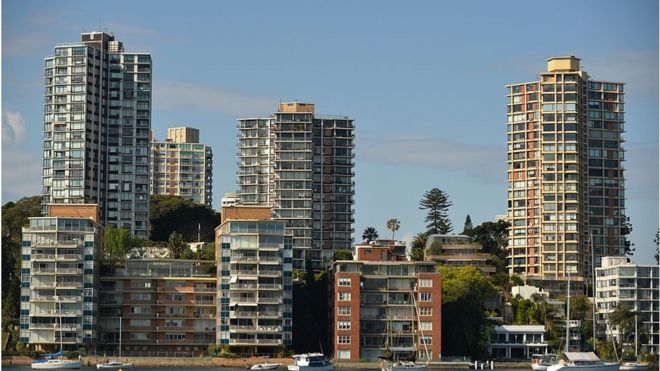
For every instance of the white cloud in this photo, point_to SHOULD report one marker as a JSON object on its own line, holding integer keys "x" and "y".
{"x": 485, "y": 162}
{"x": 172, "y": 95}
{"x": 13, "y": 127}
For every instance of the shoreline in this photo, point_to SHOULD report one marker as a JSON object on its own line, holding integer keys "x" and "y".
{"x": 205, "y": 362}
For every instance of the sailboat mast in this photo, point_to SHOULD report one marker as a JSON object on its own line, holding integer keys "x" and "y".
{"x": 593, "y": 291}
{"x": 119, "y": 336}
{"x": 636, "y": 337}
{"x": 568, "y": 306}
{"x": 59, "y": 303}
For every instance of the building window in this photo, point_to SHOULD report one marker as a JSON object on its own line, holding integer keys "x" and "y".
{"x": 343, "y": 311}
{"x": 344, "y": 354}
{"x": 426, "y": 325}
{"x": 425, "y": 311}
{"x": 426, "y": 283}
{"x": 344, "y": 282}
{"x": 344, "y": 296}
{"x": 425, "y": 340}
{"x": 425, "y": 296}
{"x": 343, "y": 339}
{"x": 343, "y": 325}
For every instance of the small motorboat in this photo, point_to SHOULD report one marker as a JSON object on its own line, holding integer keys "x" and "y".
{"x": 114, "y": 365}
{"x": 265, "y": 366}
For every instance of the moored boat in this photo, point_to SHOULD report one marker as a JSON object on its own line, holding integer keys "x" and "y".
{"x": 634, "y": 366}
{"x": 114, "y": 365}
{"x": 56, "y": 364}
{"x": 311, "y": 361}
{"x": 265, "y": 366}
{"x": 583, "y": 361}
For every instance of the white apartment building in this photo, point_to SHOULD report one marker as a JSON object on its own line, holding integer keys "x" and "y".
{"x": 97, "y": 119}
{"x": 59, "y": 282}
{"x": 620, "y": 282}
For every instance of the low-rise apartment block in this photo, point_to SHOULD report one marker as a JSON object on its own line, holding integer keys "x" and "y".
{"x": 383, "y": 306}
{"x": 620, "y": 282}
{"x": 181, "y": 166}
{"x": 457, "y": 250}
{"x": 166, "y": 307}
{"x": 517, "y": 341}
{"x": 59, "y": 273}
{"x": 381, "y": 250}
{"x": 254, "y": 286}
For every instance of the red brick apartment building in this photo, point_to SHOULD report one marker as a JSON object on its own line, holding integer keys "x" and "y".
{"x": 382, "y": 304}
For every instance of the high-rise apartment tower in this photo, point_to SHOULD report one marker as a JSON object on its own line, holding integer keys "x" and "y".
{"x": 301, "y": 164}
{"x": 181, "y": 166}
{"x": 565, "y": 173}
{"x": 97, "y": 119}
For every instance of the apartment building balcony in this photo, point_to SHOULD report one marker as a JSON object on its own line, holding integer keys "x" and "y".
{"x": 56, "y": 313}
{"x": 255, "y": 341}
{"x": 255, "y": 314}
{"x": 267, "y": 273}
{"x": 51, "y": 298}
{"x": 269, "y": 300}
{"x": 255, "y": 328}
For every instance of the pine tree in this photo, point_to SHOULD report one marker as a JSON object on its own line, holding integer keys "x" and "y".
{"x": 437, "y": 203}
{"x": 467, "y": 227}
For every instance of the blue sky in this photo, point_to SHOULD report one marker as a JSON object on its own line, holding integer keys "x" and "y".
{"x": 424, "y": 81}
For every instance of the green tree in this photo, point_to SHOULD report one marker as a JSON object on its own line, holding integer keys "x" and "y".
{"x": 656, "y": 241}
{"x": 464, "y": 320}
{"x": 628, "y": 246}
{"x": 173, "y": 213}
{"x": 417, "y": 247}
{"x": 493, "y": 236}
{"x": 343, "y": 254}
{"x": 437, "y": 203}
{"x": 623, "y": 319}
{"x": 393, "y": 225}
{"x": 175, "y": 245}
{"x": 467, "y": 226}
{"x": 14, "y": 217}
{"x": 117, "y": 242}
{"x": 369, "y": 234}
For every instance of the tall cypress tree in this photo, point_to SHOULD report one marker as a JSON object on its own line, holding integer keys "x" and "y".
{"x": 467, "y": 227}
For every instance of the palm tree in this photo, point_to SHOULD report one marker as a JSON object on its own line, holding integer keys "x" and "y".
{"x": 370, "y": 234}
{"x": 393, "y": 225}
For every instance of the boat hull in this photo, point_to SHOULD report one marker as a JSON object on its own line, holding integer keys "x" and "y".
{"x": 585, "y": 367}
{"x": 265, "y": 366}
{"x": 539, "y": 367}
{"x": 410, "y": 367}
{"x": 113, "y": 366}
{"x": 56, "y": 365}
{"x": 328, "y": 367}
{"x": 633, "y": 367}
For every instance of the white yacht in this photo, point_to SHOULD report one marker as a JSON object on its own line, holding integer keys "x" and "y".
{"x": 541, "y": 362}
{"x": 56, "y": 361}
{"x": 113, "y": 364}
{"x": 56, "y": 364}
{"x": 311, "y": 362}
{"x": 583, "y": 361}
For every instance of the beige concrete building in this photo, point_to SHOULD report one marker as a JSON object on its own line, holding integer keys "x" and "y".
{"x": 565, "y": 173}
{"x": 301, "y": 164}
{"x": 457, "y": 251}
{"x": 181, "y": 166}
